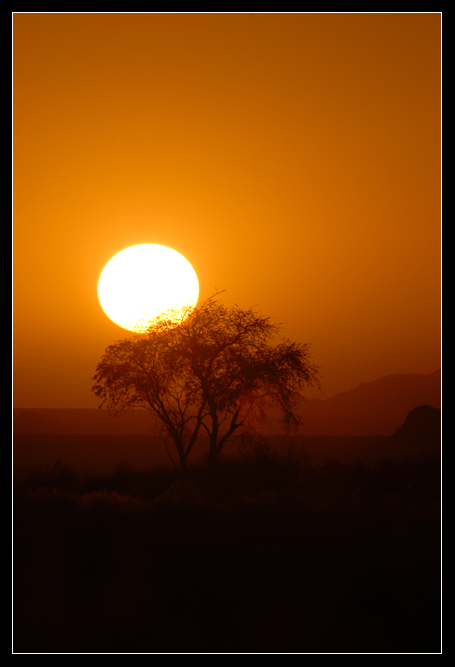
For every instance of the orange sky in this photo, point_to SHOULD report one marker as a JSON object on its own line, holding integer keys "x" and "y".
{"x": 293, "y": 159}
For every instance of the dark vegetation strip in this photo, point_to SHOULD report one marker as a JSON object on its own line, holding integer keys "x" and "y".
{"x": 264, "y": 554}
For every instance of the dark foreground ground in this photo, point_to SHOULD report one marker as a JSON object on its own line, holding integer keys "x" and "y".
{"x": 266, "y": 554}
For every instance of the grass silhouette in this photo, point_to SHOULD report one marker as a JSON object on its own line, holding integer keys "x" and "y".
{"x": 266, "y": 553}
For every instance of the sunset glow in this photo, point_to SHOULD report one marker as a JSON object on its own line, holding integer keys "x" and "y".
{"x": 293, "y": 159}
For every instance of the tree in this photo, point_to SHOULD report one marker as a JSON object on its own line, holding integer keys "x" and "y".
{"x": 220, "y": 371}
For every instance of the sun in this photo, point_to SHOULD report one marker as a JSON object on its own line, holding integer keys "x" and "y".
{"x": 143, "y": 281}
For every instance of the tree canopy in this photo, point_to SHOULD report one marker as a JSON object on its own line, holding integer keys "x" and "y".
{"x": 220, "y": 371}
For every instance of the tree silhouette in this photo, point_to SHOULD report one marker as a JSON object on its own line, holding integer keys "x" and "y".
{"x": 220, "y": 371}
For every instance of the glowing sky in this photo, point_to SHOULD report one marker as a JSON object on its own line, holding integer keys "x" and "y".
{"x": 292, "y": 159}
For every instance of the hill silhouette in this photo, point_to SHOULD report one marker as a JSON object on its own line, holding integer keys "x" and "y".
{"x": 71, "y": 421}
{"x": 420, "y": 435}
{"x": 37, "y": 422}
{"x": 372, "y": 408}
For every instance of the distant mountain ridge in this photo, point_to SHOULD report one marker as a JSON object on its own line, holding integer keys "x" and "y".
{"x": 372, "y": 408}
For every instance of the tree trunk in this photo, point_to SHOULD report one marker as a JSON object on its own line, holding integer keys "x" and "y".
{"x": 212, "y": 457}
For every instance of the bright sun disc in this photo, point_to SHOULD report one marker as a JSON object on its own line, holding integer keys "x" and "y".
{"x": 142, "y": 281}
